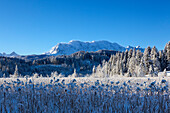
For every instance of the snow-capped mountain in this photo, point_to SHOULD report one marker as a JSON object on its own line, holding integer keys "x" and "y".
{"x": 13, "y": 54}
{"x": 75, "y": 46}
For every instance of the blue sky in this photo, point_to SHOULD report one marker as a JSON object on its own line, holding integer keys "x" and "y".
{"x": 35, "y": 26}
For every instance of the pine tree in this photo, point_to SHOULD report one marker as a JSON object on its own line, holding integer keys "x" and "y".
{"x": 139, "y": 55}
{"x": 167, "y": 56}
{"x": 155, "y": 60}
{"x": 162, "y": 60}
{"x": 141, "y": 69}
{"x": 16, "y": 74}
{"x": 94, "y": 69}
{"x": 124, "y": 61}
{"x": 118, "y": 66}
{"x": 132, "y": 64}
{"x": 129, "y": 57}
{"x": 151, "y": 70}
{"x": 98, "y": 71}
{"x": 75, "y": 73}
{"x": 147, "y": 59}
{"x": 164, "y": 73}
{"x": 121, "y": 64}
{"x": 134, "y": 52}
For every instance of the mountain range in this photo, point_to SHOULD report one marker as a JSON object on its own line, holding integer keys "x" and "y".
{"x": 13, "y": 54}
{"x": 75, "y": 46}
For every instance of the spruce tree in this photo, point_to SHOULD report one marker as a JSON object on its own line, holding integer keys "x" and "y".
{"x": 129, "y": 57}
{"x": 151, "y": 70}
{"x": 139, "y": 55}
{"x": 141, "y": 69}
{"x": 124, "y": 61}
{"x": 16, "y": 74}
{"x": 155, "y": 60}
{"x": 167, "y": 56}
{"x": 147, "y": 59}
{"x": 132, "y": 64}
{"x": 162, "y": 60}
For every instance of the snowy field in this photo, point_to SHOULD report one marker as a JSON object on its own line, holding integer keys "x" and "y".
{"x": 86, "y": 94}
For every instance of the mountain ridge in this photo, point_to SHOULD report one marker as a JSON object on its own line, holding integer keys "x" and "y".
{"x": 75, "y": 46}
{"x": 13, "y": 54}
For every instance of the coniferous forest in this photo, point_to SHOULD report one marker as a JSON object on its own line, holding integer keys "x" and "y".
{"x": 132, "y": 63}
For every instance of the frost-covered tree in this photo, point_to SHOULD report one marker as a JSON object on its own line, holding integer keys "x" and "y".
{"x": 121, "y": 64}
{"x": 135, "y": 63}
{"x": 35, "y": 75}
{"x": 147, "y": 59}
{"x": 129, "y": 57}
{"x": 124, "y": 61}
{"x": 162, "y": 60}
{"x": 134, "y": 52}
{"x": 164, "y": 73}
{"x": 118, "y": 64}
{"x": 155, "y": 60}
{"x": 139, "y": 55}
{"x": 75, "y": 73}
{"x": 140, "y": 69}
{"x": 151, "y": 70}
{"x": 16, "y": 73}
{"x": 94, "y": 69}
{"x": 98, "y": 71}
{"x": 167, "y": 55}
{"x": 132, "y": 64}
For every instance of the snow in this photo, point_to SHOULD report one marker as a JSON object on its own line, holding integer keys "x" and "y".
{"x": 75, "y": 46}
{"x": 168, "y": 73}
{"x": 86, "y": 94}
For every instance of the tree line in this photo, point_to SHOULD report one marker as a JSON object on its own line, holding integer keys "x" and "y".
{"x": 134, "y": 63}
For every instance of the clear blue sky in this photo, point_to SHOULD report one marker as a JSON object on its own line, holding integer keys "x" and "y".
{"x": 35, "y": 26}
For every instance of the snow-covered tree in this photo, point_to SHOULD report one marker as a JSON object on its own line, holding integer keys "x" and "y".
{"x": 129, "y": 57}
{"x": 151, "y": 70}
{"x": 94, "y": 69}
{"x": 75, "y": 73}
{"x": 98, "y": 71}
{"x": 167, "y": 55}
{"x": 139, "y": 55}
{"x": 124, "y": 61}
{"x": 132, "y": 64}
{"x": 155, "y": 60}
{"x": 164, "y": 73}
{"x": 162, "y": 60}
{"x": 118, "y": 64}
{"x": 147, "y": 59}
{"x": 140, "y": 69}
{"x": 16, "y": 73}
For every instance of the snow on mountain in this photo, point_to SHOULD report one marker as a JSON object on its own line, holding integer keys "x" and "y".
{"x": 75, "y": 46}
{"x": 137, "y": 47}
{"x": 13, "y": 54}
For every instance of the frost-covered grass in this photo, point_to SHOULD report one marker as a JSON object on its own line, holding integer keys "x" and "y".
{"x": 86, "y": 94}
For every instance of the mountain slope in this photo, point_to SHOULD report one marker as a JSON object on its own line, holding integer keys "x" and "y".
{"x": 13, "y": 54}
{"x": 75, "y": 46}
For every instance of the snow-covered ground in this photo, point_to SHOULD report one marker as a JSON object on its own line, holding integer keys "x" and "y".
{"x": 86, "y": 94}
